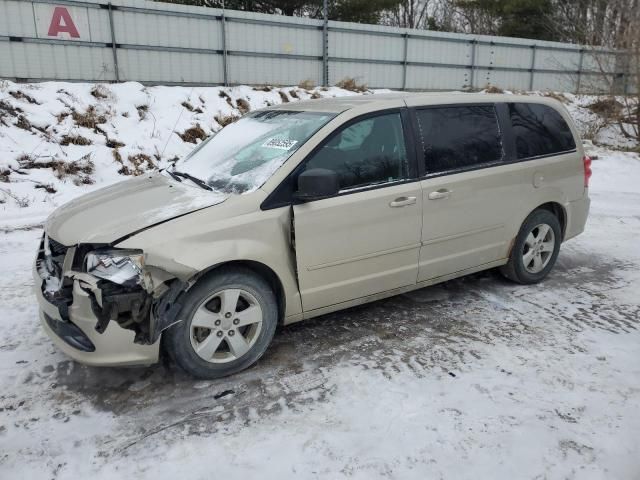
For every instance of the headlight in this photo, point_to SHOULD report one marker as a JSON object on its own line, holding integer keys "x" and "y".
{"x": 124, "y": 267}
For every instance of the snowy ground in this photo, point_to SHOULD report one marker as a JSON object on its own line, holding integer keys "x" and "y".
{"x": 475, "y": 378}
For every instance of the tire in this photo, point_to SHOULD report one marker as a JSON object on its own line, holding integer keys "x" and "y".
{"x": 215, "y": 339}
{"x": 535, "y": 250}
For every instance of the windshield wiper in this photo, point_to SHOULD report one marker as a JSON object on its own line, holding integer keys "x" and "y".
{"x": 196, "y": 180}
{"x": 173, "y": 175}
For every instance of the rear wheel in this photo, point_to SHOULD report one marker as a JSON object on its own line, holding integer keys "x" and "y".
{"x": 228, "y": 321}
{"x": 536, "y": 248}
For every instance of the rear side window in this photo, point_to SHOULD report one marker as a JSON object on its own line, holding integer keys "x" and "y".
{"x": 459, "y": 137}
{"x": 539, "y": 130}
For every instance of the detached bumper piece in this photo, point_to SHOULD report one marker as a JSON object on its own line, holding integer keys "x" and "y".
{"x": 70, "y": 334}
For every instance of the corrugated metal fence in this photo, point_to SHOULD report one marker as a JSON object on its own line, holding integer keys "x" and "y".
{"x": 159, "y": 43}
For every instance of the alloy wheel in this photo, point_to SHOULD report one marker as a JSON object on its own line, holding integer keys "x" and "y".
{"x": 538, "y": 248}
{"x": 226, "y": 325}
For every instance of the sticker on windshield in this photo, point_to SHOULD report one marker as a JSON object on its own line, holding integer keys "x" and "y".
{"x": 279, "y": 143}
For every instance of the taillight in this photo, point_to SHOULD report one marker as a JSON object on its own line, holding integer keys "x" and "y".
{"x": 586, "y": 161}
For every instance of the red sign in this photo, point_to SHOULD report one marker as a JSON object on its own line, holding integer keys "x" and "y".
{"x": 61, "y": 22}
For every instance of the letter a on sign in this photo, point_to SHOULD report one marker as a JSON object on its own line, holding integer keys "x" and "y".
{"x": 61, "y": 22}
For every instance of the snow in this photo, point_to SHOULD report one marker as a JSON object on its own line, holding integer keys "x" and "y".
{"x": 475, "y": 378}
{"x": 144, "y": 120}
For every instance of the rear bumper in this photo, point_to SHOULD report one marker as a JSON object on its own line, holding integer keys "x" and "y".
{"x": 577, "y": 213}
{"x": 114, "y": 347}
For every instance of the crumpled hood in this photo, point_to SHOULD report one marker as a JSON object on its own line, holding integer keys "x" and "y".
{"x": 113, "y": 212}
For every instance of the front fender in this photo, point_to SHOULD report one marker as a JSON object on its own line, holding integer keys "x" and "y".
{"x": 196, "y": 242}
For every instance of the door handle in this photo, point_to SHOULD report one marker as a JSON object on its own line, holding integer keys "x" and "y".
{"x": 403, "y": 201}
{"x": 438, "y": 194}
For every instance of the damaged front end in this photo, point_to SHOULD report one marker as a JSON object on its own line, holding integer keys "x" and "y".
{"x": 120, "y": 287}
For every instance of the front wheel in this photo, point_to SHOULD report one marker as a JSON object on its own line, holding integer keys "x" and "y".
{"x": 536, "y": 248}
{"x": 227, "y": 322}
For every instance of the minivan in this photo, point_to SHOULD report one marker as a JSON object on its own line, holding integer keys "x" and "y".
{"x": 302, "y": 209}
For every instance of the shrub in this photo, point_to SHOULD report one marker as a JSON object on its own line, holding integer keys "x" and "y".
{"x": 243, "y": 106}
{"x": 89, "y": 119}
{"x": 307, "y": 84}
{"x": 191, "y": 135}
{"x": 138, "y": 161}
{"x": 606, "y": 107}
{"x": 349, "y": 83}
{"x": 493, "y": 89}
{"x": 74, "y": 140}
{"x": 100, "y": 91}
{"x": 225, "y": 120}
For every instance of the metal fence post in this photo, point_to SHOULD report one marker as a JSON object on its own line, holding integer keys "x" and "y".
{"x": 225, "y": 73}
{"x": 404, "y": 61}
{"x": 533, "y": 66}
{"x": 473, "y": 63}
{"x": 113, "y": 44}
{"x": 578, "y": 80}
{"x": 325, "y": 44}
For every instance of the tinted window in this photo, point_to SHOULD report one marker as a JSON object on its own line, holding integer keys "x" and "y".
{"x": 459, "y": 137}
{"x": 365, "y": 153}
{"x": 539, "y": 130}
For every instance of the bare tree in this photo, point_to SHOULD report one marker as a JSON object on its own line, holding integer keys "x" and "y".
{"x": 610, "y": 30}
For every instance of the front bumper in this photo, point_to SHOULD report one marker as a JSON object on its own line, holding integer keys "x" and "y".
{"x": 114, "y": 347}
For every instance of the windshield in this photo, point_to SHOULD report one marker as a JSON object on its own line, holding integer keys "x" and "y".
{"x": 243, "y": 155}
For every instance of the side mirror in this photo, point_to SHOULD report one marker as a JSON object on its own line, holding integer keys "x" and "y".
{"x": 317, "y": 183}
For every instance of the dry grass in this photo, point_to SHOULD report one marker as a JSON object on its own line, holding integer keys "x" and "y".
{"x": 557, "y": 96}
{"x": 8, "y": 110}
{"x": 18, "y": 95}
{"x": 352, "y": 85}
{"x": 493, "y": 89}
{"x": 23, "y": 123}
{"x": 21, "y": 202}
{"x": 61, "y": 116}
{"x": 191, "y": 108}
{"x": 84, "y": 166}
{"x": 243, "y": 106}
{"x": 100, "y": 91}
{"x": 293, "y": 94}
{"x": 4, "y": 175}
{"x": 117, "y": 157}
{"x": 113, "y": 143}
{"x": 263, "y": 88}
{"x": 307, "y": 84}
{"x": 283, "y": 96}
{"x": 226, "y": 96}
{"x": 606, "y": 107}
{"x": 74, "y": 140}
{"x": 88, "y": 119}
{"x": 47, "y": 187}
{"x": 141, "y": 163}
{"x": 224, "y": 120}
{"x": 315, "y": 96}
{"x": 77, "y": 168}
{"x": 191, "y": 135}
{"x": 142, "y": 111}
